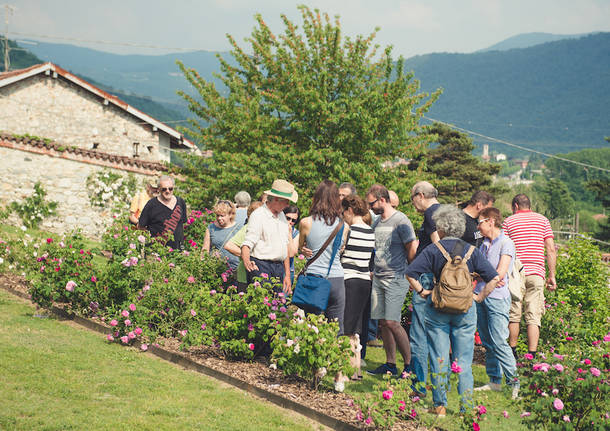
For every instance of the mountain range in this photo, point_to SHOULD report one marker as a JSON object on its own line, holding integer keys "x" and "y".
{"x": 542, "y": 91}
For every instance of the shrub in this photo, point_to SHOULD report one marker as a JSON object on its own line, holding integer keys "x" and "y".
{"x": 107, "y": 188}
{"x": 308, "y": 347}
{"x": 34, "y": 208}
{"x": 566, "y": 392}
{"x": 195, "y": 227}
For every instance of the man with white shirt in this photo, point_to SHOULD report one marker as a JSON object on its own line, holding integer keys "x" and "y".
{"x": 265, "y": 248}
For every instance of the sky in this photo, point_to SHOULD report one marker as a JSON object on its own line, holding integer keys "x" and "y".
{"x": 412, "y": 26}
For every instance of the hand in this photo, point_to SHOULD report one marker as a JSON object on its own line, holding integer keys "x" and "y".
{"x": 306, "y": 252}
{"x": 478, "y": 298}
{"x": 287, "y": 285}
{"x": 425, "y": 293}
{"x": 250, "y": 266}
{"x": 500, "y": 283}
{"x": 551, "y": 283}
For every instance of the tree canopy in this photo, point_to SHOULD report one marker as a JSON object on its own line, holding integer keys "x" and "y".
{"x": 305, "y": 105}
{"x": 457, "y": 171}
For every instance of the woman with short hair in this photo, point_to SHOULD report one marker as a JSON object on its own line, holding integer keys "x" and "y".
{"x": 221, "y": 230}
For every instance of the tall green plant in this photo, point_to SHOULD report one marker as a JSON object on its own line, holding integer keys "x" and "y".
{"x": 304, "y": 105}
{"x": 34, "y": 208}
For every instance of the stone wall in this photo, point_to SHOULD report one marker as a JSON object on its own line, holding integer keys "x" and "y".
{"x": 58, "y": 109}
{"x": 64, "y": 181}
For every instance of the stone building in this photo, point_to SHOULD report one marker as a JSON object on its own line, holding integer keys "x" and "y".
{"x": 58, "y": 129}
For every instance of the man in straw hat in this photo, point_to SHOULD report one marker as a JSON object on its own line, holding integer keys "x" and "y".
{"x": 139, "y": 200}
{"x": 265, "y": 249}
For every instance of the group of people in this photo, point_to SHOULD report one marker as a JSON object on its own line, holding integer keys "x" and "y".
{"x": 381, "y": 259}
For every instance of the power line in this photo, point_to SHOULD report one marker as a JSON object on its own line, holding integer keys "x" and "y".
{"x": 104, "y": 42}
{"x": 510, "y": 144}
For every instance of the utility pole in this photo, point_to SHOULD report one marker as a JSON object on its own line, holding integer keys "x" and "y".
{"x": 8, "y": 9}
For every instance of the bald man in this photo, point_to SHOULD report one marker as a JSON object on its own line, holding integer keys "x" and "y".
{"x": 424, "y": 199}
{"x": 394, "y": 201}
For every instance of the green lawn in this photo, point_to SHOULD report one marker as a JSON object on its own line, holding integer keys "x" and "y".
{"x": 495, "y": 402}
{"x": 54, "y": 376}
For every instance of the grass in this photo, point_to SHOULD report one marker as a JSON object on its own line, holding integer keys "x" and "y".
{"x": 57, "y": 377}
{"x": 495, "y": 402}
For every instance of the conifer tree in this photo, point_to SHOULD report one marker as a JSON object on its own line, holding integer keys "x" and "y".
{"x": 304, "y": 105}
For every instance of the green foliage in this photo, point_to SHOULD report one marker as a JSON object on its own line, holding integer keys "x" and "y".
{"x": 109, "y": 189}
{"x": 569, "y": 392}
{"x": 304, "y": 106}
{"x": 557, "y": 199}
{"x": 458, "y": 173}
{"x": 34, "y": 208}
{"x": 307, "y": 346}
{"x": 19, "y": 58}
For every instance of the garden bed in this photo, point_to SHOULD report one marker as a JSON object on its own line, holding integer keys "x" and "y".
{"x": 325, "y": 406}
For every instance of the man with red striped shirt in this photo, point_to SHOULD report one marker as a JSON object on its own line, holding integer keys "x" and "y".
{"x": 531, "y": 232}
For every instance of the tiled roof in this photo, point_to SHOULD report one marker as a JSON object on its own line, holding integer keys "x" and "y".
{"x": 79, "y": 153}
{"x": 8, "y": 78}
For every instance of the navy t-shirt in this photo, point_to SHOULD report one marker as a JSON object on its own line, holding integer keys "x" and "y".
{"x": 160, "y": 220}
{"x": 427, "y": 228}
{"x": 432, "y": 260}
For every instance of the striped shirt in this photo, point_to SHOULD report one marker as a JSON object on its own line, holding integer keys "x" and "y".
{"x": 529, "y": 230}
{"x": 358, "y": 251}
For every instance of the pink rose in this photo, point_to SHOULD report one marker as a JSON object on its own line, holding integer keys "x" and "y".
{"x": 131, "y": 335}
{"x": 528, "y": 356}
{"x": 505, "y": 413}
{"x": 109, "y": 337}
{"x": 558, "y": 367}
{"x": 387, "y": 395}
{"x": 203, "y": 326}
{"x": 596, "y": 372}
{"x": 264, "y": 275}
{"x": 114, "y": 322}
{"x": 555, "y": 391}
{"x": 132, "y": 307}
{"x": 402, "y": 406}
{"x": 481, "y": 409}
{"x": 368, "y": 421}
{"x": 476, "y": 427}
{"x": 251, "y": 346}
{"x": 569, "y": 338}
{"x": 70, "y": 286}
{"x": 193, "y": 312}
{"x": 125, "y": 313}
{"x": 190, "y": 279}
{"x": 138, "y": 331}
{"x": 558, "y": 404}
{"x": 144, "y": 347}
{"x": 456, "y": 368}
{"x": 183, "y": 332}
{"x": 212, "y": 292}
{"x": 525, "y": 414}
{"x": 127, "y": 322}
{"x": 587, "y": 361}
{"x": 124, "y": 339}
{"x": 272, "y": 316}
{"x": 606, "y": 338}
{"x": 94, "y": 279}
{"x": 566, "y": 418}
{"x": 49, "y": 240}
{"x": 141, "y": 239}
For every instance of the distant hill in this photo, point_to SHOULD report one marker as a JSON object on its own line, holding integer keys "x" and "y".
{"x": 527, "y": 40}
{"x": 552, "y": 97}
{"x": 21, "y": 58}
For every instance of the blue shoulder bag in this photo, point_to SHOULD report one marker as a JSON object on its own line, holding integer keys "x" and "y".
{"x": 312, "y": 291}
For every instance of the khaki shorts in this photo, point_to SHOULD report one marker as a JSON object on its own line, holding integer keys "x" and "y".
{"x": 532, "y": 305}
{"x": 387, "y": 297}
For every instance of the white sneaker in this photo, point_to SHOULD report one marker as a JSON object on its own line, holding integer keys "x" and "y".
{"x": 490, "y": 387}
{"x": 515, "y": 393}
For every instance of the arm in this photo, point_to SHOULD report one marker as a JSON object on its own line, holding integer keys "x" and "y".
{"x": 133, "y": 218}
{"x": 411, "y": 248}
{"x": 503, "y": 265}
{"x": 206, "y": 241}
{"x": 417, "y": 287}
{"x": 489, "y": 287}
{"x": 245, "y": 257}
{"x": 232, "y": 248}
{"x": 304, "y": 228}
{"x": 287, "y": 285}
{"x": 293, "y": 243}
{"x": 551, "y": 261}
{"x": 434, "y": 237}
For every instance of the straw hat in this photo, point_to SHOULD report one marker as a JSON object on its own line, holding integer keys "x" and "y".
{"x": 283, "y": 189}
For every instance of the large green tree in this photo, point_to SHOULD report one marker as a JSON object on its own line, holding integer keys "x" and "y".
{"x": 457, "y": 171}
{"x": 305, "y": 105}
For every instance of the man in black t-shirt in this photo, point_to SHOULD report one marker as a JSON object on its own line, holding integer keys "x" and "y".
{"x": 165, "y": 215}
{"x": 479, "y": 201}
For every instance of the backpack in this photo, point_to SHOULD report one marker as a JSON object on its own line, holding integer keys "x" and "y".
{"x": 516, "y": 281}
{"x": 453, "y": 291}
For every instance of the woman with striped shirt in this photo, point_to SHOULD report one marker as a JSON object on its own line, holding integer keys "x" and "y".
{"x": 356, "y": 260}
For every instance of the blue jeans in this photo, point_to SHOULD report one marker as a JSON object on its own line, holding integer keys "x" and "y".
{"x": 492, "y": 321}
{"x": 417, "y": 335}
{"x": 457, "y": 331}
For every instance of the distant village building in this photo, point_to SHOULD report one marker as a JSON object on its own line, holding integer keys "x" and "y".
{"x": 88, "y": 130}
{"x": 485, "y": 155}
{"x": 500, "y": 157}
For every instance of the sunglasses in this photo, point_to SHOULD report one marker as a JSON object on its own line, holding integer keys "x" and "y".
{"x": 481, "y": 221}
{"x": 294, "y": 220}
{"x": 372, "y": 203}
{"x": 166, "y": 189}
